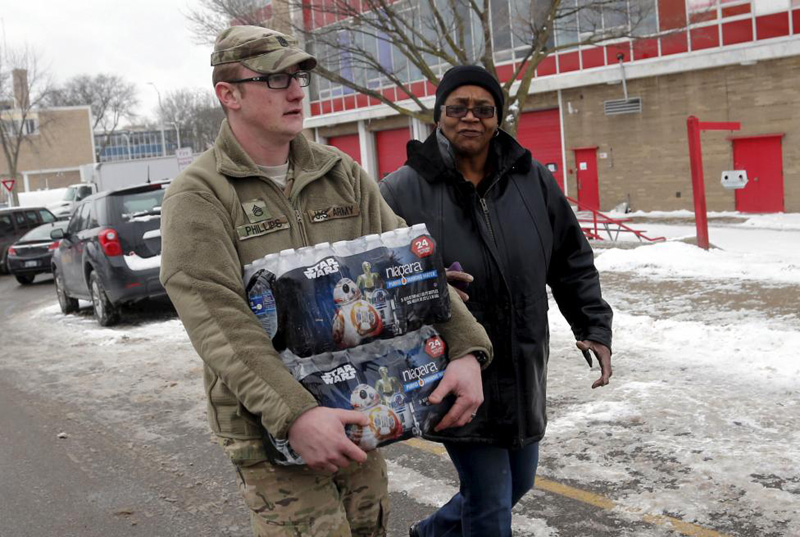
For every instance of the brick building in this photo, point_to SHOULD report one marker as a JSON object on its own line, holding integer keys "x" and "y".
{"x": 59, "y": 141}
{"x": 609, "y": 141}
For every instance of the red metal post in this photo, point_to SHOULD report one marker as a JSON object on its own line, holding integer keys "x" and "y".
{"x": 720, "y": 125}
{"x": 698, "y": 185}
{"x": 694, "y": 126}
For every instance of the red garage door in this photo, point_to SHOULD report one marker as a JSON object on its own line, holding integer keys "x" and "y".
{"x": 391, "y": 147}
{"x": 540, "y": 132}
{"x": 348, "y": 144}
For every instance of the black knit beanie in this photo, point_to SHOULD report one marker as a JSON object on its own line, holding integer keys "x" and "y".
{"x": 468, "y": 75}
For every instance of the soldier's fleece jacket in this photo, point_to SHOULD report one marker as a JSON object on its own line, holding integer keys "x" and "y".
{"x": 206, "y": 240}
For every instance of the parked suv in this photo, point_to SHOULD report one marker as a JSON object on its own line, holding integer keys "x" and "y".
{"x": 110, "y": 252}
{"x": 17, "y": 221}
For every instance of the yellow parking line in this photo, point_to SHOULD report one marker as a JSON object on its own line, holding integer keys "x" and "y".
{"x": 574, "y": 494}
{"x": 424, "y": 445}
{"x": 583, "y": 496}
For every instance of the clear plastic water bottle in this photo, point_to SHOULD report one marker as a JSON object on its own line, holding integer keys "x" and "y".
{"x": 372, "y": 242}
{"x": 321, "y": 251}
{"x": 270, "y": 262}
{"x": 286, "y": 261}
{"x": 341, "y": 248}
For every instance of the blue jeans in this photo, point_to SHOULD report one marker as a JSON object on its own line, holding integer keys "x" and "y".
{"x": 493, "y": 479}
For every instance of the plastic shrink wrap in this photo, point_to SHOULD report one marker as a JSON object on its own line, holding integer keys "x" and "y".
{"x": 337, "y": 296}
{"x": 351, "y": 321}
{"x": 388, "y": 380}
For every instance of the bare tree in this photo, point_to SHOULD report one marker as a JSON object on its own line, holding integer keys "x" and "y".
{"x": 197, "y": 115}
{"x": 23, "y": 88}
{"x": 111, "y": 98}
{"x": 370, "y": 45}
{"x": 213, "y": 16}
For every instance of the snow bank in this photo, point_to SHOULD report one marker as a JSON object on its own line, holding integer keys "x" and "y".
{"x": 774, "y": 221}
{"x": 682, "y": 260}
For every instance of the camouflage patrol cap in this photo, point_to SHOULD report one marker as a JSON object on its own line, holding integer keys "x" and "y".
{"x": 263, "y": 50}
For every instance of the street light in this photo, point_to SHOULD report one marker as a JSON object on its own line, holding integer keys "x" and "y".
{"x": 177, "y": 132}
{"x": 161, "y": 121}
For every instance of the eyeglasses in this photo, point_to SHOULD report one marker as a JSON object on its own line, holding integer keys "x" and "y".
{"x": 279, "y": 80}
{"x": 459, "y": 111}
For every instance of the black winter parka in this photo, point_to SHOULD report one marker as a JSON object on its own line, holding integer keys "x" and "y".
{"x": 515, "y": 233}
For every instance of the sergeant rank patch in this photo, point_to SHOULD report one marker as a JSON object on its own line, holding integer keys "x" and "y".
{"x": 256, "y": 210}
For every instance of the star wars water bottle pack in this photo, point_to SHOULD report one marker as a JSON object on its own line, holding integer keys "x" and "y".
{"x": 388, "y": 380}
{"x": 337, "y": 296}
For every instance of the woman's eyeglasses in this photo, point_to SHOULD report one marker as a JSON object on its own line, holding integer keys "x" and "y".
{"x": 279, "y": 80}
{"x": 459, "y": 111}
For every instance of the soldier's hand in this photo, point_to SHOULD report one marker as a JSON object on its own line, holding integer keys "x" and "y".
{"x": 318, "y": 436}
{"x": 603, "y": 355}
{"x": 462, "y": 378}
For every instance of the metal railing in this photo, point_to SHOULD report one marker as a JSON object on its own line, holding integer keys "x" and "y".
{"x": 597, "y": 224}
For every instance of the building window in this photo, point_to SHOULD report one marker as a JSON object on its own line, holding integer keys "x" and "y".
{"x": 15, "y": 127}
{"x": 512, "y": 25}
{"x": 346, "y": 60}
{"x": 133, "y": 145}
{"x": 31, "y": 127}
{"x": 501, "y": 29}
{"x": 765, "y": 7}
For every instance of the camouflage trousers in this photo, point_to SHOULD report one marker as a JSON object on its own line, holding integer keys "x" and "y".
{"x": 295, "y": 501}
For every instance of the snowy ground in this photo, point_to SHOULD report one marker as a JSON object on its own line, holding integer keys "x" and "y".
{"x": 700, "y": 423}
{"x": 706, "y": 384}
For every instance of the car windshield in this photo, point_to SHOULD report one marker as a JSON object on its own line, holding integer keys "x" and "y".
{"x": 42, "y": 233}
{"x": 69, "y": 195}
{"x": 77, "y": 193}
{"x": 131, "y": 206}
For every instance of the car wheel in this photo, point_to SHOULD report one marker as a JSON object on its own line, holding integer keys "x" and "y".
{"x": 67, "y": 303}
{"x": 104, "y": 311}
{"x": 25, "y": 279}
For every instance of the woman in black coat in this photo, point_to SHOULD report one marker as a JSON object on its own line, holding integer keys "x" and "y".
{"x": 502, "y": 216}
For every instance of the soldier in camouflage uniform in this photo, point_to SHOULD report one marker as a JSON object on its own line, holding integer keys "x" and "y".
{"x": 297, "y": 501}
{"x": 260, "y": 190}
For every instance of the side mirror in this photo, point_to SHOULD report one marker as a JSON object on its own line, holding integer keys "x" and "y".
{"x": 57, "y": 234}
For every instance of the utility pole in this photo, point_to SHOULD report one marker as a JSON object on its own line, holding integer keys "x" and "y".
{"x": 160, "y": 121}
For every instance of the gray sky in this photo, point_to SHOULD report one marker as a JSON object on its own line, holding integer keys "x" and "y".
{"x": 143, "y": 41}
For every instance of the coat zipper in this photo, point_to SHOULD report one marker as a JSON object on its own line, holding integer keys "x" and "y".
{"x": 486, "y": 217}
{"x": 299, "y": 217}
{"x": 485, "y": 208}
